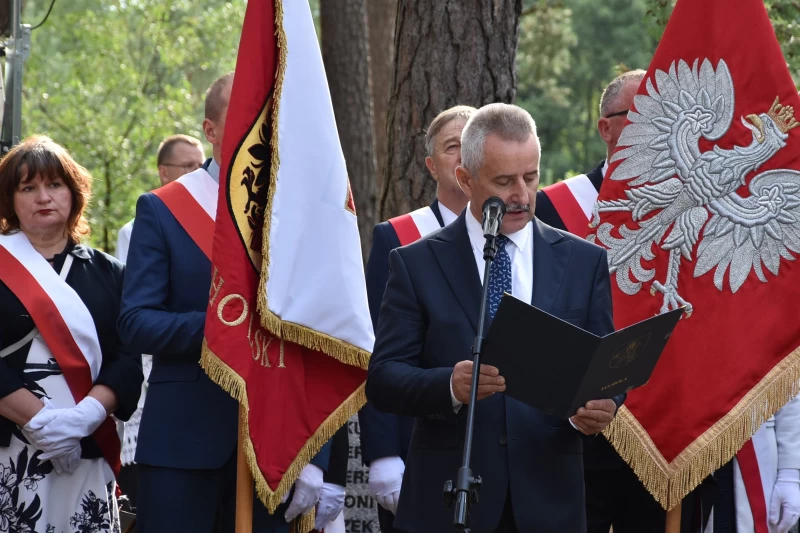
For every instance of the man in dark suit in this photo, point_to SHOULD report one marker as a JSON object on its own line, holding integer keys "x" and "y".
{"x": 188, "y": 434}
{"x": 614, "y": 495}
{"x": 384, "y": 436}
{"x": 531, "y": 463}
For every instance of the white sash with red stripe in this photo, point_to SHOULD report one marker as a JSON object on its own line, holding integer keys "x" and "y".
{"x": 65, "y": 333}
{"x": 414, "y": 225}
{"x": 573, "y": 200}
{"x": 192, "y": 200}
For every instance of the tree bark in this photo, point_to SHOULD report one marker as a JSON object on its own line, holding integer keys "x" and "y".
{"x": 381, "y": 17}
{"x": 346, "y": 56}
{"x": 448, "y": 52}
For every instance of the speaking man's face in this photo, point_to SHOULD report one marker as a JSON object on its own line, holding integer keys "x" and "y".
{"x": 510, "y": 171}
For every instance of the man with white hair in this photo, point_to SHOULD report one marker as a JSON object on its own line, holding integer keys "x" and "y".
{"x": 530, "y": 462}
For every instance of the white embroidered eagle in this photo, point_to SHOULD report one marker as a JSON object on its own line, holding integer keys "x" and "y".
{"x": 679, "y": 186}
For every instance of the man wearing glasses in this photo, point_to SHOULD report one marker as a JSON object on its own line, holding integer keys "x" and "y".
{"x": 177, "y": 155}
{"x": 568, "y": 204}
{"x": 614, "y": 495}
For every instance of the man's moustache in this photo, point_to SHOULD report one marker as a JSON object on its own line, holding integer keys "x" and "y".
{"x": 517, "y": 208}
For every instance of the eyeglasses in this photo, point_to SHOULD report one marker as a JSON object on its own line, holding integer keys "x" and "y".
{"x": 618, "y": 113}
{"x": 188, "y": 167}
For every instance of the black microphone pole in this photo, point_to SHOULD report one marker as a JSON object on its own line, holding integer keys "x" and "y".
{"x": 465, "y": 490}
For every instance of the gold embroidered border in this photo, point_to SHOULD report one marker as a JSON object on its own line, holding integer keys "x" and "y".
{"x": 233, "y": 384}
{"x": 338, "y": 349}
{"x": 670, "y": 482}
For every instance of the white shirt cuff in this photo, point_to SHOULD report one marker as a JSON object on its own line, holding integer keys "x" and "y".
{"x": 573, "y": 425}
{"x": 456, "y": 404}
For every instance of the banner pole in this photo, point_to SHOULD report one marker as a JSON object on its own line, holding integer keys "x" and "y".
{"x": 674, "y": 520}
{"x": 244, "y": 484}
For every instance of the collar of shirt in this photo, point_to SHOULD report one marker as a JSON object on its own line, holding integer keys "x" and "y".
{"x": 448, "y": 217}
{"x": 213, "y": 170}
{"x": 520, "y": 252}
{"x": 604, "y": 169}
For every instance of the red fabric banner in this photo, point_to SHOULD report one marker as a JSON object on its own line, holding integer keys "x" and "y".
{"x": 295, "y": 397}
{"x": 701, "y": 208}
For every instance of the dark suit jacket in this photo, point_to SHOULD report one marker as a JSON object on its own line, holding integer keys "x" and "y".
{"x": 427, "y": 323}
{"x": 599, "y": 455}
{"x": 188, "y": 421}
{"x": 384, "y": 434}
{"x": 544, "y": 207}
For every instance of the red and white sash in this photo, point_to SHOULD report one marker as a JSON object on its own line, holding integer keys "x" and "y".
{"x": 414, "y": 225}
{"x": 192, "y": 200}
{"x": 65, "y": 324}
{"x": 573, "y": 200}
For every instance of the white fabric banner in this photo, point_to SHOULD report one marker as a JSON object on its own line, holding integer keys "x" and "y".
{"x": 316, "y": 275}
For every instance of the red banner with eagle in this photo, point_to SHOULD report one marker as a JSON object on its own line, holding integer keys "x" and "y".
{"x": 701, "y": 209}
{"x": 288, "y": 332}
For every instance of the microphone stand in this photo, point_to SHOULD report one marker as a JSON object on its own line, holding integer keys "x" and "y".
{"x": 465, "y": 490}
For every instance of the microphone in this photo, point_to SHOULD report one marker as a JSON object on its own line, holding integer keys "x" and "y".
{"x": 493, "y": 211}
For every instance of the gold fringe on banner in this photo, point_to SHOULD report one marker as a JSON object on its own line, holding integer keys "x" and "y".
{"x": 224, "y": 376}
{"x": 340, "y": 350}
{"x": 670, "y": 482}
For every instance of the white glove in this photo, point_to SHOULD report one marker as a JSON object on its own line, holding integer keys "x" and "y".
{"x": 68, "y": 463}
{"x": 306, "y": 492}
{"x": 331, "y": 503}
{"x": 784, "y": 506}
{"x": 58, "y": 431}
{"x": 385, "y": 479}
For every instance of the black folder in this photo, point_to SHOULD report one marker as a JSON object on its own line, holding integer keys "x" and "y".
{"x": 557, "y": 367}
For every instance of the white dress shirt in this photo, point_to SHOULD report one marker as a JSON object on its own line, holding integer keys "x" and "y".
{"x": 604, "y": 169}
{"x": 123, "y": 241}
{"x": 520, "y": 251}
{"x": 213, "y": 170}
{"x": 448, "y": 217}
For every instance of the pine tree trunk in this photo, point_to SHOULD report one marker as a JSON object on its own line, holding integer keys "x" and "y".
{"x": 381, "y": 16}
{"x": 345, "y": 53}
{"x": 448, "y": 52}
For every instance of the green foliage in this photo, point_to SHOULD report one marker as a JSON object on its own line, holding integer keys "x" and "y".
{"x": 110, "y": 80}
{"x": 568, "y": 51}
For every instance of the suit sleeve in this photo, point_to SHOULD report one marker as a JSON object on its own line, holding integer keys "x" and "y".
{"x": 121, "y": 371}
{"x": 396, "y": 381}
{"x": 323, "y": 457}
{"x": 380, "y": 432}
{"x": 340, "y": 453}
{"x": 601, "y": 311}
{"x": 145, "y": 322}
{"x": 377, "y": 271}
{"x": 787, "y": 433}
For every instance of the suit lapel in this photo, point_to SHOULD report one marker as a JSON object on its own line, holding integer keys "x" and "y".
{"x": 437, "y": 212}
{"x": 550, "y": 259}
{"x": 452, "y": 249}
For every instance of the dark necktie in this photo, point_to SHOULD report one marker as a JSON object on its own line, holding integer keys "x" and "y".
{"x": 500, "y": 275}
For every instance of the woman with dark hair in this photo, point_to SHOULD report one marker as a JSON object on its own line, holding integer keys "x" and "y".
{"x": 63, "y": 370}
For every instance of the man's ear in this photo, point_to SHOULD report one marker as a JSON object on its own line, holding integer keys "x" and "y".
{"x": 464, "y": 180}
{"x": 604, "y": 129}
{"x": 162, "y": 174}
{"x": 431, "y": 168}
{"x": 210, "y": 130}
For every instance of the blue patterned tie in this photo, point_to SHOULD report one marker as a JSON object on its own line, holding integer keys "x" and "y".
{"x": 500, "y": 275}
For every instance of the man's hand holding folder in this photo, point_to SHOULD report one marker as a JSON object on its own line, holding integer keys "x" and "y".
{"x": 594, "y": 416}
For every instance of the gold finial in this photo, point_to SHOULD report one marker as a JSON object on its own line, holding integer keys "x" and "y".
{"x": 783, "y": 116}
